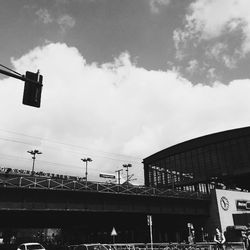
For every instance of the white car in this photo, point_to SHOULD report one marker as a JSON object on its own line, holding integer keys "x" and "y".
{"x": 31, "y": 246}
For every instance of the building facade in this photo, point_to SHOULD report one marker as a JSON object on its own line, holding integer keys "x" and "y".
{"x": 216, "y": 160}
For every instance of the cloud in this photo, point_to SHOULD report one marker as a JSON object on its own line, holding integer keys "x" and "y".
{"x": 211, "y": 74}
{"x": 155, "y": 5}
{"x": 220, "y": 52}
{"x": 192, "y": 66}
{"x": 217, "y": 50}
{"x": 66, "y": 22}
{"x": 62, "y": 1}
{"x": 114, "y": 113}
{"x": 232, "y": 20}
{"x": 235, "y": 15}
{"x": 44, "y": 16}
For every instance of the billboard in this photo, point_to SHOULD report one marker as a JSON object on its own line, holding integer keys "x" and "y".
{"x": 230, "y": 203}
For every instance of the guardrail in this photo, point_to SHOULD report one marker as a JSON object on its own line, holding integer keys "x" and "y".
{"x": 32, "y": 182}
{"x": 158, "y": 246}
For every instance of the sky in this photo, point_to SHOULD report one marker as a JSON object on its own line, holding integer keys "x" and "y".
{"x": 122, "y": 79}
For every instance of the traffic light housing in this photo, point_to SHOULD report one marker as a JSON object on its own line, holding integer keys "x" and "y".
{"x": 32, "y": 89}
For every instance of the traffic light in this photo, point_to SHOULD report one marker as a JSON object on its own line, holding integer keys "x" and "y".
{"x": 32, "y": 89}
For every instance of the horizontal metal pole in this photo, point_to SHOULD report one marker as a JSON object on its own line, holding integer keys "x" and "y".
{"x": 22, "y": 78}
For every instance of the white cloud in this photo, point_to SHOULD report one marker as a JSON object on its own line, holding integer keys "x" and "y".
{"x": 44, "y": 16}
{"x": 115, "y": 107}
{"x": 64, "y": 21}
{"x": 229, "y": 61}
{"x": 180, "y": 37}
{"x": 230, "y": 14}
{"x": 211, "y": 74}
{"x": 209, "y": 20}
{"x": 192, "y": 66}
{"x": 62, "y": 1}
{"x": 155, "y": 5}
{"x": 217, "y": 50}
{"x": 220, "y": 51}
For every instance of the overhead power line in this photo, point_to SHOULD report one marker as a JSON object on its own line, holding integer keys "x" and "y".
{"x": 16, "y": 141}
{"x": 136, "y": 159}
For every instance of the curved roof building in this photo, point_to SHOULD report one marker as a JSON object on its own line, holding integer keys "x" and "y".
{"x": 202, "y": 163}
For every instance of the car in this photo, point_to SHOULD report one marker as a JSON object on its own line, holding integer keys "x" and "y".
{"x": 31, "y": 246}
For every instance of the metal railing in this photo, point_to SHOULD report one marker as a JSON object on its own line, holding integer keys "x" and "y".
{"x": 33, "y": 182}
{"x": 158, "y": 246}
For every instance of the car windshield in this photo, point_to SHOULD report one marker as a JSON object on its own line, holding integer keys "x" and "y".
{"x": 34, "y": 247}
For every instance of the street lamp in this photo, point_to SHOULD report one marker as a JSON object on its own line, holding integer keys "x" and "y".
{"x": 127, "y": 166}
{"x": 34, "y": 153}
{"x": 86, "y": 160}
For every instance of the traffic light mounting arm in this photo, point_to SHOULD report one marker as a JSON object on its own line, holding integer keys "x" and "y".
{"x": 23, "y": 78}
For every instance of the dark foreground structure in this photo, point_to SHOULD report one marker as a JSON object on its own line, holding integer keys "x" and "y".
{"x": 217, "y": 160}
{"x": 190, "y": 189}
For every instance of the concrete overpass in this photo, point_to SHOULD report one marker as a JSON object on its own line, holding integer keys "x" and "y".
{"x": 27, "y": 201}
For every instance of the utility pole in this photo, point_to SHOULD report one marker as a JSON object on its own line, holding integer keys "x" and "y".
{"x": 86, "y": 160}
{"x": 34, "y": 153}
{"x": 150, "y": 224}
{"x": 119, "y": 175}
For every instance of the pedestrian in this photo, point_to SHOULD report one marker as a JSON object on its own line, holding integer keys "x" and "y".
{"x": 219, "y": 239}
{"x": 247, "y": 243}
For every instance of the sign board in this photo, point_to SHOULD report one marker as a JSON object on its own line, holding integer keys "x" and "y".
{"x": 243, "y": 205}
{"x": 230, "y": 204}
{"x": 149, "y": 219}
{"x": 113, "y": 233}
{"x": 109, "y": 176}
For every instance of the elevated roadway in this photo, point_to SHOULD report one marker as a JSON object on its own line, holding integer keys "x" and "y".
{"x": 29, "y": 201}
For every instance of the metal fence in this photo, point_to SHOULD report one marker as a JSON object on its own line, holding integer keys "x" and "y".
{"x": 32, "y": 182}
{"x": 158, "y": 246}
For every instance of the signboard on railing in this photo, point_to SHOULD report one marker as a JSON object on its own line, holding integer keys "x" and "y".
{"x": 107, "y": 176}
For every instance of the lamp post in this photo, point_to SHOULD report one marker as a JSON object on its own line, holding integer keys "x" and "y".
{"x": 127, "y": 166}
{"x": 34, "y": 153}
{"x": 86, "y": 160}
